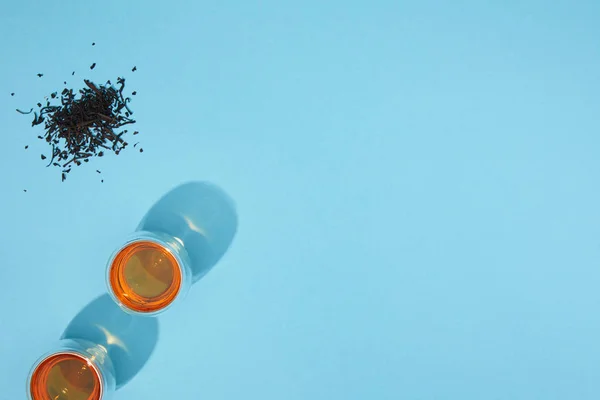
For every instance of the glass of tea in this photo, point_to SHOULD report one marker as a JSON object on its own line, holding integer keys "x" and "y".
{"x": 72, "y": 370}
{"x": 181, "y": 237}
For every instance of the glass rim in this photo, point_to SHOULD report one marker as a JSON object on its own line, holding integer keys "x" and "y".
{"x": 80, "y": 349}
{"x": 170, "y": 244}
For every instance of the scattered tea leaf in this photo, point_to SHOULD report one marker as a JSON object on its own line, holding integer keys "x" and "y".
{"x": 84, "y": 126}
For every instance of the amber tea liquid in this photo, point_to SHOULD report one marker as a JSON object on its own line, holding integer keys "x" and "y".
{"x": 65, "y": 376}
{"x": 145, "y": 276}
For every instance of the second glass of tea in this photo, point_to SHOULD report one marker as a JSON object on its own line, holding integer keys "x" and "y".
{"x": 73, "y": 370}
{"x": 178, "y": 241}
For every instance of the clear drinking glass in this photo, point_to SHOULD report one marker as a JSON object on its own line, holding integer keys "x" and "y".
{"x": 181, "y": 237}
{"x": 72, "y": 370}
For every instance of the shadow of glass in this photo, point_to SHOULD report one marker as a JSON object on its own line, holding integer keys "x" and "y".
{"x": 202, "y": 216}
{"x": 128, "y": 339}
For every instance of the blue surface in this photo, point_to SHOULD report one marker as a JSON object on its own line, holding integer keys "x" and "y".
{"x": 416, "y": 184}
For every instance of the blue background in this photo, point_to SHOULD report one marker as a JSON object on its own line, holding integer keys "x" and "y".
{"x": 416, "y": 184}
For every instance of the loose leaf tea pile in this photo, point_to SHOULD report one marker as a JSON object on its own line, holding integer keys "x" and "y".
{"x": 84, "y": 124}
